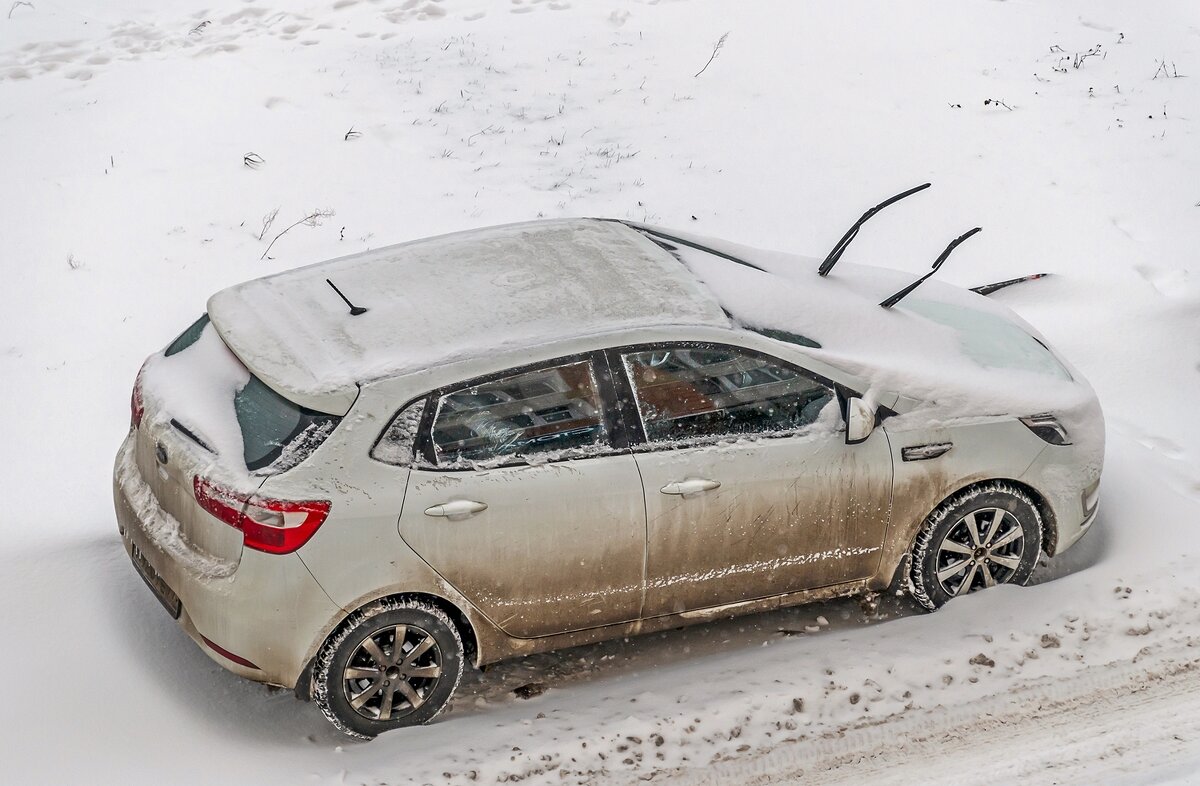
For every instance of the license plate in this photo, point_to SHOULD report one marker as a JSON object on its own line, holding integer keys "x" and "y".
{"x": 166, "y": 596}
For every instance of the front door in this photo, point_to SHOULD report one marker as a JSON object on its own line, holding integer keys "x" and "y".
{"x": 750, "y": 488}
{"x": 527, "y": 505}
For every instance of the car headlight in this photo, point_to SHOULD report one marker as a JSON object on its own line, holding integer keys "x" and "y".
{"x": 1048, "y": 428}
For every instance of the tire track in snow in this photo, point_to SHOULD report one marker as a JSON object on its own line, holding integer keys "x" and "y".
{"x": 1106, "y": 720}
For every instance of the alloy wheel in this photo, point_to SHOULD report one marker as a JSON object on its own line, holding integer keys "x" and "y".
{"x": 392, "y": 672}
{"x": 982, "y": 549}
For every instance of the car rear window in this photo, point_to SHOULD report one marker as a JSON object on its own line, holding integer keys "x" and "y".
{"x": 188, "y": 337}
{"x": 276, "y": 432}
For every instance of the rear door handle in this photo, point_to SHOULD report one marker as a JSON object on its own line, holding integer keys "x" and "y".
{"x": 457, "y": 509}
{"x": 690, "y": 486}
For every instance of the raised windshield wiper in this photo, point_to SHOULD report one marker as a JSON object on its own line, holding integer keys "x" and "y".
{"x": 836, "y": 253}
{"x": 987, "y": 289}
{"x": 896, "y": 298}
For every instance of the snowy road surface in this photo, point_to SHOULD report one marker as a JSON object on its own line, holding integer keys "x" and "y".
{"x": 125, "y": 201}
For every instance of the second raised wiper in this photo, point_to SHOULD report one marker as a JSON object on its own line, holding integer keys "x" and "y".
{"x": 896, "y": 298}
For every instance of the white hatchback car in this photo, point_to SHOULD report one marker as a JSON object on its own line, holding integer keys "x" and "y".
{"x": 353, "y": 477}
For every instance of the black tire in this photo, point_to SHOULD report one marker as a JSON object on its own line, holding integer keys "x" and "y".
{"x": 391, "y": 679}
{"x": 947, "y": 554}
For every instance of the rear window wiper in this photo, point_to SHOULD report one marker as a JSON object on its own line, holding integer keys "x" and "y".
{"x": 185, "y": 431}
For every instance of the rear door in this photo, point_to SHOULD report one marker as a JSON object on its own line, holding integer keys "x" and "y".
{"x": 528, "y": 499}
{"x": 750, "y": 488}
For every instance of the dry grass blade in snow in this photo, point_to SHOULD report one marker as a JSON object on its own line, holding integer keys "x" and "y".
{"x": 313, "y": 219}
{"x": 716, "y": 50}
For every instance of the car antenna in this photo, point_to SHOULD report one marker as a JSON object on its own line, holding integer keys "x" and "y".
{"x": 896, "y": 298}
{"x": 354, "y": 310}
{"x": 836, "y": 253}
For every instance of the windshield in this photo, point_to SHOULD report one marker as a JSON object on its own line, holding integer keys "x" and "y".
{"x": 990, "y": 340}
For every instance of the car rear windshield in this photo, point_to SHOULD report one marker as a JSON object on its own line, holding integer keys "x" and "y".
{"x": 188, "y": 337}
{"x": 276, "y": 432}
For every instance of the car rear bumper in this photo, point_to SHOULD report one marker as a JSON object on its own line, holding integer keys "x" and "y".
{"x": 259, "y": 618}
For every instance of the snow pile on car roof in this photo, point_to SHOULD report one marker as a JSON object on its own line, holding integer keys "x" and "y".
{"x": 451, "y": 297}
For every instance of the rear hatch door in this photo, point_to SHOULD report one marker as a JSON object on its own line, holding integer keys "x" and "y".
{"x": 189, "y": 425}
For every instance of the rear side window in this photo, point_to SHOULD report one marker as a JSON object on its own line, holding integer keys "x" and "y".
{"x": 685, "y": 394}
{"x": 397, "y": 444}
{"x": 536, "y": 412}
{"x": 276, "y": 432}
{"x": 188, "y": 337}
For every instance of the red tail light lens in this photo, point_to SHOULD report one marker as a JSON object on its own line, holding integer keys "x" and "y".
{"x": 137, "y": 407}
{"x": 274, "y": 526}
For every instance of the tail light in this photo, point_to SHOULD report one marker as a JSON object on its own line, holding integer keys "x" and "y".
{"x": 274, "y": 526}
{"x": 137, "y": 407}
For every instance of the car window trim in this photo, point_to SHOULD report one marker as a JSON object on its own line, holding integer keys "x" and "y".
{"x": 388, "y": 427}
{"x": 632, "y": 413}
{"x": 618, "y": 433}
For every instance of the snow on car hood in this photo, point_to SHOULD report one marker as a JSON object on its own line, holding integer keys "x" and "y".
{"x": 957, "y": 352}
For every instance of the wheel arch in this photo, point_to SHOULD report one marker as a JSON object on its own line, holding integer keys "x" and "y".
{"x": 1049, "y": 525}
{"x": 1049, "y": 522}
{"x": 920, "y": 539}
{"x": 462, "y": 624}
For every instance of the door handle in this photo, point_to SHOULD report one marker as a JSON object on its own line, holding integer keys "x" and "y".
{"x": 690, "y": 486}
{"x": 457, "y": 509}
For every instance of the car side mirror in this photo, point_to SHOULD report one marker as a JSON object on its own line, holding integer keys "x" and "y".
{"x": 860, "y": 420}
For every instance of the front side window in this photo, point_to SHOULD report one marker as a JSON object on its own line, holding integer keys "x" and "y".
{"x": 547, "y": 411}
{"x": 694, "y": 393}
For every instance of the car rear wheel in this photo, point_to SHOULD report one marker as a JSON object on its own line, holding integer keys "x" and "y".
{"x": 981, "y": 537}
{"x": 392, "y": 664}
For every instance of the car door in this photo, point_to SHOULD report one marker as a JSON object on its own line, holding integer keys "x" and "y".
{"x": 751, "y": 490}
{"x": 528, "y": 499}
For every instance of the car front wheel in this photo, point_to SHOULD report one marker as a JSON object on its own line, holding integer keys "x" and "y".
{"x": 983, "y": 536}
{"x": 393, "y": 663}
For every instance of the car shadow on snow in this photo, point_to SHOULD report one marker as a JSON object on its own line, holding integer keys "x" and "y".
{"x": 174, "y": 672}
{"x": 163, "y": 661}
{"x": 1092, "y": 549}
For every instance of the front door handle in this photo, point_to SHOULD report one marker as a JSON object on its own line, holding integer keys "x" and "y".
{"x": 690, "y": 486}
{"x": 457, "y": 509}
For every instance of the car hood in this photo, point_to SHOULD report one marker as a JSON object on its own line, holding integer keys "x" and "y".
{"x": 949, "y": 351}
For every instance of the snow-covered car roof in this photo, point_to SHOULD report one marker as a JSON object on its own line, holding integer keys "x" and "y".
{"x": 473, "y": 293}
{"x": 449, "y": 298}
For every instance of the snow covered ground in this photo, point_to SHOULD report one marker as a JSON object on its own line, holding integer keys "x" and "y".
{"x": 125, "y": 201}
